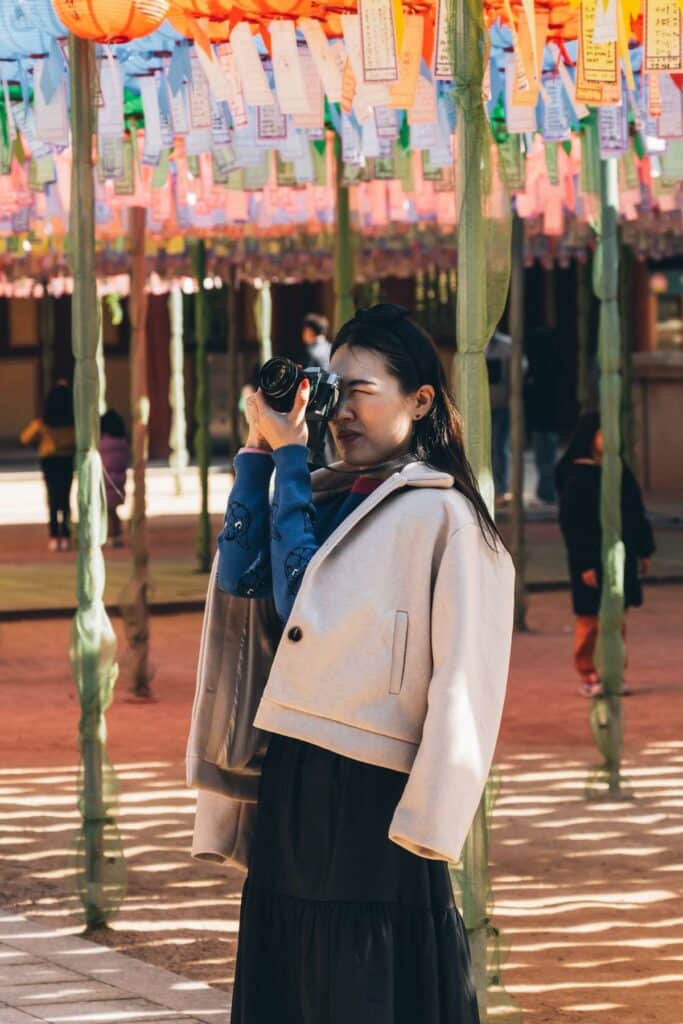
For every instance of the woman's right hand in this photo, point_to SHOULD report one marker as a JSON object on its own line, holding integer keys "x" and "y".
{"x": 255, "y": 438}
{"x": 590, "y": 577}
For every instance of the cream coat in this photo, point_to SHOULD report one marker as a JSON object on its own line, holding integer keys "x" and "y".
{"x": 396, "y": 653}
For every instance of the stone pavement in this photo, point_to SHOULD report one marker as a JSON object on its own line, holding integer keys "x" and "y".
{"x": 46, "y": 975}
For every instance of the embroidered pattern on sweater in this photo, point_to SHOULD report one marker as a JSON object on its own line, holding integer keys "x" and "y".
{"x": 256, "y": 581}
{"x": 237, "y": 523}
{"x": 295, "y": 566}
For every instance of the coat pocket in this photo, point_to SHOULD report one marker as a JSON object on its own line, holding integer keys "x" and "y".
{"x": 398, "y": 652}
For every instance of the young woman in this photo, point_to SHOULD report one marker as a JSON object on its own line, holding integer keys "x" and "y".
{"x": 578, "y": 479}
{"x": 115, "y": 455}
{"x": 375, "y": 731}
{"x": 56, "y": 439}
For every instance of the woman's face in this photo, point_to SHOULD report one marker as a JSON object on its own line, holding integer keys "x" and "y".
{"x": 374, "y": 421}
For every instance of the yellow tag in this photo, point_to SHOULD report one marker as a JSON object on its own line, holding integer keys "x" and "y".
{"x": 597, "y": 76}
{"x": 402, "y": 93}
{"x": 348, "y": 87}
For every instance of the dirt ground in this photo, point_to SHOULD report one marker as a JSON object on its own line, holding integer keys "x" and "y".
{"x": 587, "y": 895}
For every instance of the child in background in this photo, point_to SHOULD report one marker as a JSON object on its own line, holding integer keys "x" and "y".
{"x": 115, "y": 455}
{"x": 578, "y": 478}
{"x": 56, "y": 438}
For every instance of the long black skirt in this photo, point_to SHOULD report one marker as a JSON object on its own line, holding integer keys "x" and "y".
{"x": 338, "y": 925}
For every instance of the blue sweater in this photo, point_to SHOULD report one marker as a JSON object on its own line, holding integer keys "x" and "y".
{"x": 264, "y": 549}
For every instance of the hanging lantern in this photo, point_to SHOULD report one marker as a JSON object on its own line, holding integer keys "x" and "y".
{"x": 214, "y": 9}
{"x": 216, "y": 30}
{"x": 111, "y": 21}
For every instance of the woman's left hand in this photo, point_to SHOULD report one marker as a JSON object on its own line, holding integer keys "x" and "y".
{"x": 281, "y": 428}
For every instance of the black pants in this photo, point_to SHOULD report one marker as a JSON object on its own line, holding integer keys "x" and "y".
{"x": 58, "y": 471}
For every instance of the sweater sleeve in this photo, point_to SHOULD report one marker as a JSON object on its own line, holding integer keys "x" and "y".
{"x": 471, "y": 633}
{"x": 31, "y": 432}
{"x": 244, "y": 542}
{"x": 292, "y": 536}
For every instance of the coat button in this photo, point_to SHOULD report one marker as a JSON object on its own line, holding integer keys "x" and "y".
{"x": 295, "y": 634}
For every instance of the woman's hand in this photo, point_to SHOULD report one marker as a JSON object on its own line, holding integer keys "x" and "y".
{"x": 645, "y": 566}
{"x": 277, "y": 429}
{"x": 590, "y": 577}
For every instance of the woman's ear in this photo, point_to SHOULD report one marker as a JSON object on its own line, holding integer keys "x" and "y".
{"x": 424, "y": 400}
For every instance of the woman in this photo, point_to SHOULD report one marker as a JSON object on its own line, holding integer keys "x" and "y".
{"x": 375, "y": 731}
{"x": 578, "y": 479}
{"x": 56, "y": 447}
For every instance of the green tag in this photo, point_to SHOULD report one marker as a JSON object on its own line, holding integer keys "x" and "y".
{"x": 512, "y": 163}
{"x": 193, "y": 165}
{"x": 403, "y": 163}
{"x": 672, "y": 162}
{"x": 551, "y": 163}
{"x": 384, "y": 168}
{"x": 125, "y": 185}
{"x": 430, "y": 173}
{"x": 222, "y": 164}
{"x": 41, "y": 172}
{"x": 590, "y": 158}
{"x": 256, "y": 178}
{"x": 5, "y": 157}
{"x": 319, "y": 165}
{"x": 160, "y": 172}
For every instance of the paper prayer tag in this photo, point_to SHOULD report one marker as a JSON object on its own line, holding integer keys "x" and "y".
{"x": 402, "y": 92}
{"x": 325, "y": 57}
{"x": 663, "y": 23}
{"x": 378, "y": 41}
{"x": 290, "y": 84}
{"x": 257, "y": 92}
{"x": 597, "y": 77}
{"x": 423, "y": 110}
{"x": 443, "y": 64}
{"x": 605, "y": 22}
{"x": 315, "y": 118}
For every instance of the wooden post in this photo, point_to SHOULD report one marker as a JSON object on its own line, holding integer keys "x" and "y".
{"x": 100, "y": 865}
{"x": 517, "y": 432}
{"x": 201, "y": 406}
{"x": 138, "y": 623}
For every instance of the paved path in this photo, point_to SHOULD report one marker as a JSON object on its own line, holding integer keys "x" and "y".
{"x": 46, "y": 975}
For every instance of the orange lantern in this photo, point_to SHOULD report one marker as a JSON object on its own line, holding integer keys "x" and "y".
{"x": 111, "y": 21}
{"x": 214, "y": 9}
{"x": 216, "y": 30}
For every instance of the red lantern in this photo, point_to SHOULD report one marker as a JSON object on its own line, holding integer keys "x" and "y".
{"x": 111, "y": 21}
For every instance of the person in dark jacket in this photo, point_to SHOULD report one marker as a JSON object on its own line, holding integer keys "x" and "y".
{"x": 578, "y": 478}
{"x": 115, "y": 455}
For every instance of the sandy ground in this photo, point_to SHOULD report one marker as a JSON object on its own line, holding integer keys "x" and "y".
{"x": 587, "y": 895}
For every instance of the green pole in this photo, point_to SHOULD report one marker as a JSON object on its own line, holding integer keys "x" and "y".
{"x": 201, "y": 406}
{"x": 606, "y": 710}
{"x": 100, "y": 865}
{"x": 472, "y": 393}
{"x": 343, "y": 257}
{"x": 177, "y": 442}
{"x": 626, "y": 260}
{"x": 516, "y": 314}
{"x": 138, "y": 624}
{"x": 101, "y": 371}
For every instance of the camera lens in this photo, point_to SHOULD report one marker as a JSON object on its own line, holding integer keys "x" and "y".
{"x": 278, "y": 376}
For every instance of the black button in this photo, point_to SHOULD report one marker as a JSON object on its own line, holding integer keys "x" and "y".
{"x": 295, "y": 634}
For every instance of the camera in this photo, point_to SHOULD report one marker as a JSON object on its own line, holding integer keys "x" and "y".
{"x": 279, "y": 380}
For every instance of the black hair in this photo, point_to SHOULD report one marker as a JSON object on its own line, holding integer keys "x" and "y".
{"x": 58, "y": 410}
{"x": 316, "y": 322}
{"x": 412, "y": 357}
{"x": 111, "y": 423}
{"x": 580, "y": 446}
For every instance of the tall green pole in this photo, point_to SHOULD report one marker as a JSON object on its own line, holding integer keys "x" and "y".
{"x": 343, "y": 252}
{"x": 606, "y": 711}
{"x": 626, "y": 260}
{"x": 101, "y": 871}
{"x": 138, "y": 623}
{"x": 201, "y": 406}
{"x": 472, "y": 392}
{"x": 516, "y": 314}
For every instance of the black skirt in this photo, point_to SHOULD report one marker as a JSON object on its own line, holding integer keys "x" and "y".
{"x": 338, "y": 925}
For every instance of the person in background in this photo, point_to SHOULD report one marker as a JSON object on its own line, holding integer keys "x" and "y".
{"x": 115, "y": 455}
{"x": 578, "y": 478}
{"x": 498, "y": 366}
{"x": 541, "y": 407}
{"x": 314, "y": 338}
{"x": 55, "y": 435}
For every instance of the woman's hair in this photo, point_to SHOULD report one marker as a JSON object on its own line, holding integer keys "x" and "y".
{"x": 59, "y": 406}
{"x": 580, "y": 446}
{"x": 111, "y": 423}
{"x": 412, "y": 357}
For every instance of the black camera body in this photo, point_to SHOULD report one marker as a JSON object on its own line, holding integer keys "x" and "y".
{"x": 279, "y": 380}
